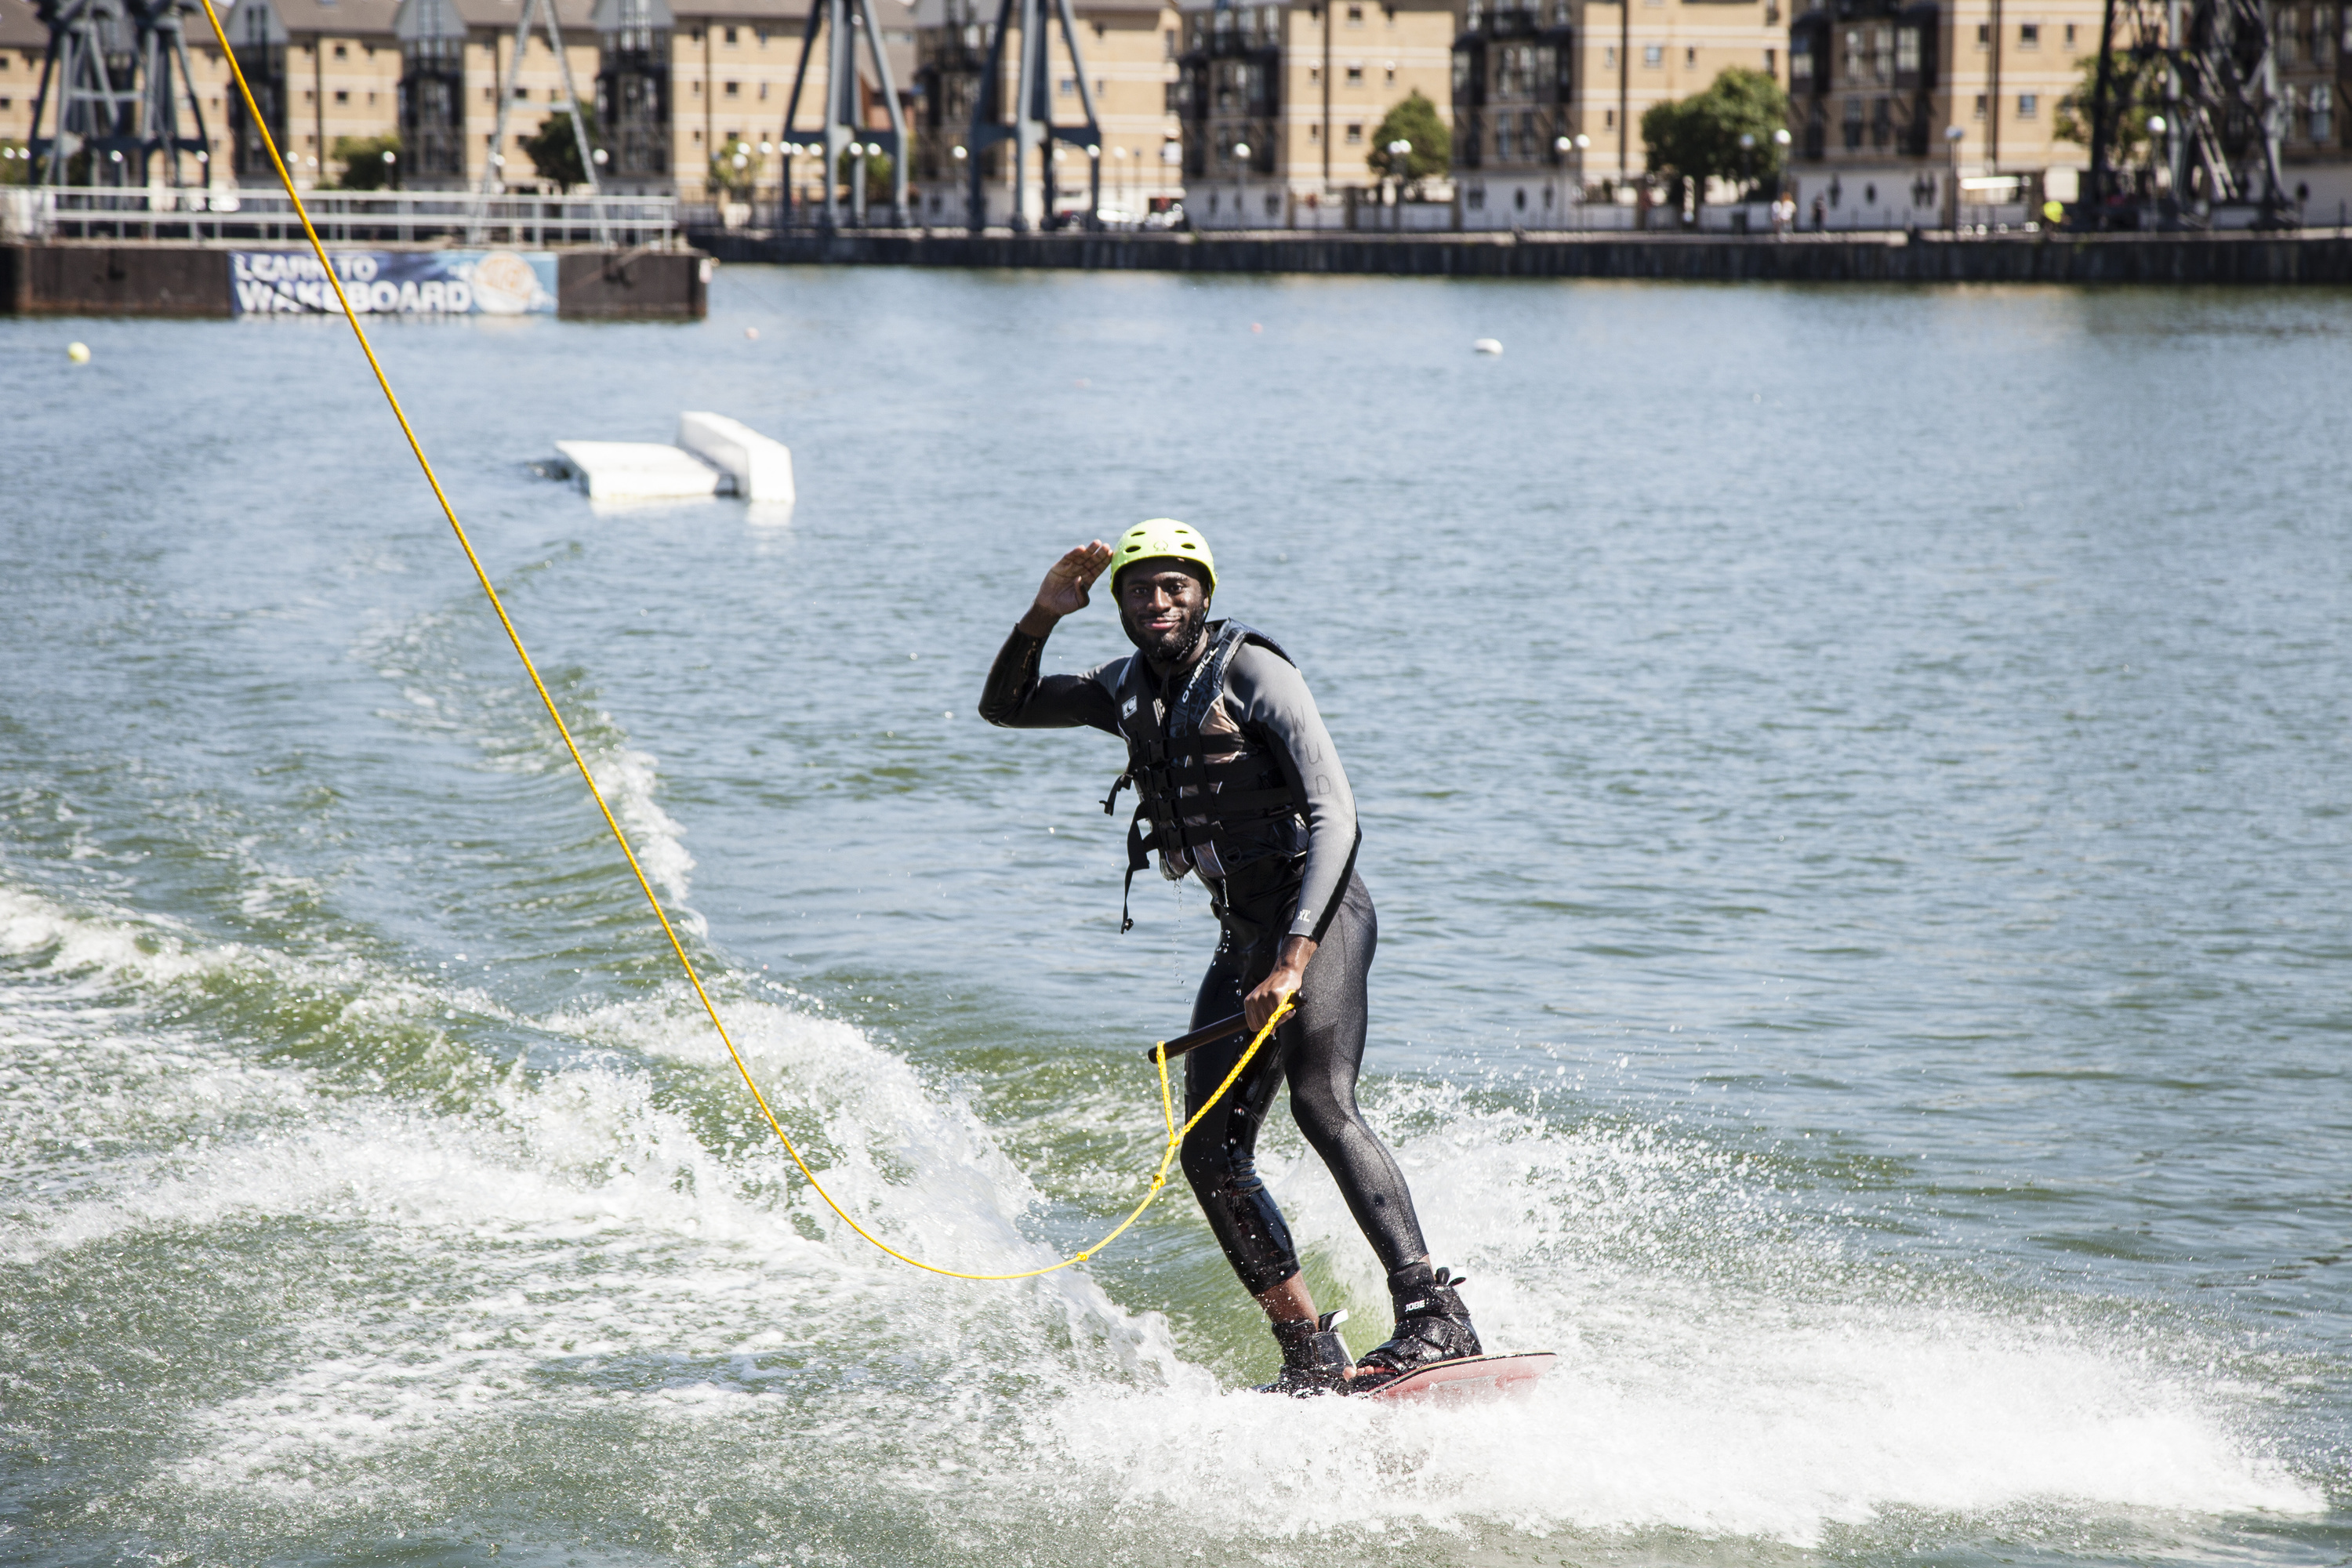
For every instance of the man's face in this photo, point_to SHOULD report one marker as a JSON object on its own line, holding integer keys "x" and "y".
{"x": 1164, "y": 607}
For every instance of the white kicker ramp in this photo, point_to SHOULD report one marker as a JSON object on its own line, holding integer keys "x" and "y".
{"x": 639, "y": 470}
{"x": 761, "y": 469}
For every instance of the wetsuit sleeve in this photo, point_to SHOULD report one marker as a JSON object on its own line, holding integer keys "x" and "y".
{"x": 1273, "y": 704}
{"x": 1017, "y": 698}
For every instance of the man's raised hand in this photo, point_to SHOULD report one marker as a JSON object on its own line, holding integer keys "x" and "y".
{"x": 1064, "y": 591}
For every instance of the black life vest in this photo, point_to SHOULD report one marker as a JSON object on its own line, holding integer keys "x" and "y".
{"x": 1212, "y": 817}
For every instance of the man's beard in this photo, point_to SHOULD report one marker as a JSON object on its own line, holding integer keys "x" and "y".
{"x": 1169, "y": 648}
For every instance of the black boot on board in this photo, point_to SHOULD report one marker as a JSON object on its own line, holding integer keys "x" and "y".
{"x": 1431, "y": 1326}
{"x": 1313, "y": 1358}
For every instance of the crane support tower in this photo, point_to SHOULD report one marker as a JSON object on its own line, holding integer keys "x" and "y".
{"x": 2209, "y": 68}
{"x": 494, "y": 167}
{"x": 1033, "y": 128}
{"x": 114, "y": 85}
{"x": 839, "y": 22}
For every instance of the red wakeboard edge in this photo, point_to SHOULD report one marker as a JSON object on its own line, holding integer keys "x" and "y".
{"x": 1471, "y": 1377}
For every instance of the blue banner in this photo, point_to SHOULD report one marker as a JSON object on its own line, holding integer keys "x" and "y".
{"x": 395, "y": 282}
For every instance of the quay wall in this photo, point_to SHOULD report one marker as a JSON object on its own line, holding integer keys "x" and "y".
{"x": 2307, "y": 257}
{"x": 129, "y": 277}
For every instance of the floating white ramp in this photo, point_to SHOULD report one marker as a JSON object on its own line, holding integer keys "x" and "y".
{"x": 639, "y": 470}
{"x": 713, "y": 456}
{"x": 761, "y": 468}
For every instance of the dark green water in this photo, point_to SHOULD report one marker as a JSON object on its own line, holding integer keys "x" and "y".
{"x": 1855, "y": 784}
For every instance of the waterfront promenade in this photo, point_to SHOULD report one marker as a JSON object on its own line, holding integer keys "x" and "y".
{"x": 2305, "y": 256}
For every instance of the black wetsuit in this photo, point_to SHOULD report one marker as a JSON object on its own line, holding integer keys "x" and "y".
{"x": 1297, "y": 877}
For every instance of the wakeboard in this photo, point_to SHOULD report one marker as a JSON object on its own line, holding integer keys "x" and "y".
{"x": 1467, "y": 1379}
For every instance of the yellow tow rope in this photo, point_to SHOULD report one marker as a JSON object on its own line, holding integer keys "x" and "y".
{"x": 1167, "y": 1104}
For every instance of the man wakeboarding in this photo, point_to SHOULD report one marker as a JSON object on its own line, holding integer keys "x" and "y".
{"x": 1237, "y": 782}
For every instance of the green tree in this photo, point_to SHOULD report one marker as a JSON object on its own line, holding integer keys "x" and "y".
{"x": 2138, "y": 85}
{"x": 555, "y": 151}
{"x": 17, "y": 169}
{"x": 735, "y": 170}
{"x": 370, "y": 163}
{"x": 878, "y": 173}
{"x": 1415, "y": 120}
{"x": 1697, "y": 137}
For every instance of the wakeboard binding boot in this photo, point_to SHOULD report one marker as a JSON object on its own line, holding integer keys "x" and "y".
{"x": 1313, "y": 1358}
{"x": 1431, "y": 1326}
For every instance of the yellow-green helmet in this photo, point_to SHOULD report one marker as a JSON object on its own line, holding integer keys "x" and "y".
{"x": 1162, "y": 536}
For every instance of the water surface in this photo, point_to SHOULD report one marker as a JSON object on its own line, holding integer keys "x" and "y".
{"x": 1852, "y": 783}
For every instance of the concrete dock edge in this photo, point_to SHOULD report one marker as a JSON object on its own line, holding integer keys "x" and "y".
{"x": 2233, "y": 258}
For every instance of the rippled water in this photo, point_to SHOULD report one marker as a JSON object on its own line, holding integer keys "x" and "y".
{"x": 1853, "y": 783}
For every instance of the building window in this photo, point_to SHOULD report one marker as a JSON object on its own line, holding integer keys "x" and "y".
{"x": 2323, "y": 114}
{"x": 2028, "y": 104}
{"x": 1315, "y": 133}
{"x": 342, "y": 52}
{"x": 1314, "y": 74}
{"x": 1390, "y": 76}
{"x": 730, "y": 38}
{"x": 1772, "y": 63}
{"x": 763, "y": 90}
{"x": 1355, "y": 76}
{"x": 1852, "y": 124}
{"x": 2070, "y": 35}
{"x": 1355, "y": 135}
{"x": 1906, "y": 49}
{"x": 1981, "y": 106}
{"x": 1984, "y": 34}
{"x": 1690, "y": 57}
{"x": 1608, "y": 120}
{"x": 1609, "y": 58}
{"x": 342, "y": 95}
{"x": 1355, "y": 16}
{"x": 734, "y": 90}
{"x": 2029, "y": 35}
{"x": 1068, "y": 87}
{"x": 1654, "y": 55}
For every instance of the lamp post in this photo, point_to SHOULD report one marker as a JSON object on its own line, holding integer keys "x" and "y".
{"x": 1400, "y": 159}
{"x": 1780, "y": 139}
{"x": 1559, "y": 147}
{"x": 1953, "y": 135}
{"x": 1241, "y": 157}
{"x": 1747, "y": 171}
{"x": 2156, "y": 126}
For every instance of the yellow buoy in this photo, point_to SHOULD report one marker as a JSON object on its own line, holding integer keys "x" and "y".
{"x": 78, "y": 352}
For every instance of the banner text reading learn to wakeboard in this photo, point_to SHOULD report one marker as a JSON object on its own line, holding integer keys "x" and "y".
{"x": 395, "y": 282}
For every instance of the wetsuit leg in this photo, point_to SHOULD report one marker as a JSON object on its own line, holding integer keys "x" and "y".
{"x": 1320, "y": 1052}
{"x": 1221, "y": 1154}
{"x": 1323, "y": 1057}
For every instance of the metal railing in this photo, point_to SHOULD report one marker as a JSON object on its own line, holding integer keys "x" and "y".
{"x": 221, "y": 215}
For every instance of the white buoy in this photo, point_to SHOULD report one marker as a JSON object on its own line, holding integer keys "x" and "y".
{"x": 1488, "y": 346}
{"x": 752, "y": 334}
{"x": 78, "y": 352}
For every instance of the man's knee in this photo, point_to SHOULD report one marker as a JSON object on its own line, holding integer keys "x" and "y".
{"x": 1208, "y": 1163}
{"x": 1323, "y": 1114}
